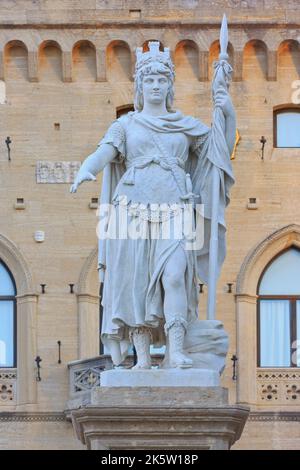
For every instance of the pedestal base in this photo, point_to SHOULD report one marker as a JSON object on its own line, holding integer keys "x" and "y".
{"x": 157, "y": 418}
{"x": 160, "y": 378}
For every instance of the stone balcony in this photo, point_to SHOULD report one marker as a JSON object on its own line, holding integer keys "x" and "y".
{"x": 278, "y": 386}
{"x": 84, "y": 376}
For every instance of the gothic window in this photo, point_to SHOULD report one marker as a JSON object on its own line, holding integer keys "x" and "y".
{"x": 279, "y": 312}
{"x": 286, "y": 127}
{"x": 7, "y": 318}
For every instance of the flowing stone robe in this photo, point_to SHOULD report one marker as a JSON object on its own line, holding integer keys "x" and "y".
{"x": 154, "y": 155}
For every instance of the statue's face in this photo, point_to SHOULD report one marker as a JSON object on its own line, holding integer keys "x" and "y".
{"x": 155, "y": 88}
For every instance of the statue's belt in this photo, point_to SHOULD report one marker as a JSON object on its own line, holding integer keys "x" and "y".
{"x": 170, "y": 165}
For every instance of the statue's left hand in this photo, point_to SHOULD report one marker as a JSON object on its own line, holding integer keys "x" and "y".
{"x": 223, "y": 101}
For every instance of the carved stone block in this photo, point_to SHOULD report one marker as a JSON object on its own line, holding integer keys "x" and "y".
{"x": 8, "y": 382}
{"x": 56, "y": 172}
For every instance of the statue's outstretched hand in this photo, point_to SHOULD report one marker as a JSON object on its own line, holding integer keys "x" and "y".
{"x": 80, "y": 178}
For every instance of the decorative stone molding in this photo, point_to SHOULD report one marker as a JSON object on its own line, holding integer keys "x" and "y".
{"x": 251, "y": 299}
{"x": 274, "y": 416}
{"x": 56, "y": 172}
{"x": 92, "y": 299}
{"x": 85, "y": 375}
{"x": 278, "y": 386}
{"x": 31, "y": 416}
{"x": 8, "y": 385}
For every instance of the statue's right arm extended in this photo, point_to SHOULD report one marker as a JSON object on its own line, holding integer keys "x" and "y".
{"x": 93, "y": 164}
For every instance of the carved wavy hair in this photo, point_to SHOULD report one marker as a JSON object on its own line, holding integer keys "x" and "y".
{"x": 149, "y": 69}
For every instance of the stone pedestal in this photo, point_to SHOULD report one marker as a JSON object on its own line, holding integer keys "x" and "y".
{"x": 160, "y": 378}
{"x": 159, "y": 418}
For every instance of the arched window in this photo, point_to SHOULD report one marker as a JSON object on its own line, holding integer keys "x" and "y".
{"x": 124, "y": 109}
{"x": 7, "y": 318}
{"x": 279, "y": 312}
{"x": 286, "y": 126}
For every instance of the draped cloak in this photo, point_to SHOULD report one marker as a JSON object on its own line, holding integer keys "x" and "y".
{"x": 206, "y": 151}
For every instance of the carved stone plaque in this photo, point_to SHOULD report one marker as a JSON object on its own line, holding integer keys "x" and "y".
{"x": 56, "y": 172}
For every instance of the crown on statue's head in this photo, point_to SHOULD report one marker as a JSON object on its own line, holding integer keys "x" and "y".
{"x": 153, "y": 55}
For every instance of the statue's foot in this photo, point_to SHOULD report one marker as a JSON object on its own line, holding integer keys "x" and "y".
{"x": 141, "y": 365}
{"x": 180, "y": 360}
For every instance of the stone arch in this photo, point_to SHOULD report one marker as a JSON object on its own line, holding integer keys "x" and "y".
{"x": 119, "y": 61}
{"x": 50, "y": 60}
{"x": 289, "y": 60}
{"x": 15, "y": 261}
{"x": 146, "y": 47}
{"x": 16, "y": 60}
{"x": 246, "y": 305}
{"x": 255, "y": 60}
{"x": 87, "y": 282}
{"x": 186, "y": 59}
{"x": 84, "y": 61}
{"x": 26, "y": 320}
{"x": 124, "y": 109}
{"x": 88, "y": 307}
{"x": 262, "y": 254}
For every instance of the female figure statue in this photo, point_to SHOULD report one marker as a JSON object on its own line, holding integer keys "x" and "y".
{"x": 156, "y": 161}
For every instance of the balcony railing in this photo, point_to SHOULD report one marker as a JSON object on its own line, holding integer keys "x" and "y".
{"x": 84, "y": 375}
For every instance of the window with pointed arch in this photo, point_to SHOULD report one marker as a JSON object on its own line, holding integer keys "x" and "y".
{"x": 279, "y": 311}
{"x": 7, "y": 318}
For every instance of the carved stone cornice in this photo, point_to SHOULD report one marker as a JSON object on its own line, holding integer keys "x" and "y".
{"x": 152, "y": 23}
{"x": 251, "y": 299}
{"x": 93, "y": 299}
{"x": 31, "y": 416}
{"x": 274, "y": 416}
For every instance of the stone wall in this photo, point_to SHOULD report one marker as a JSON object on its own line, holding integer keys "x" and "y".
{"x": 66, "y": 71}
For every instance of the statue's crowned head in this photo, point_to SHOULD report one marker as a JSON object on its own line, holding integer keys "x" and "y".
{"x": 151, "y": 62}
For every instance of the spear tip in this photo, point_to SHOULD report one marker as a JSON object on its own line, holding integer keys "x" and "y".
{"x": 224, "y": 38}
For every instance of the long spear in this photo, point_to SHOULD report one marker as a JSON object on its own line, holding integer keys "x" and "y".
{"x": 218, "y": 123}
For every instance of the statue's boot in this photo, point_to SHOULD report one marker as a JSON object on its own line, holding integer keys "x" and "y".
{"x": 175, "y": 330}
{"x": 141, "y": 340}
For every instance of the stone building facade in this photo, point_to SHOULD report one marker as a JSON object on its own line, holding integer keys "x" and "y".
{"x": 65, "y": 73}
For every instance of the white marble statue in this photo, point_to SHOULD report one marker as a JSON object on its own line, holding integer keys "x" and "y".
{"x": 156, "y": 161}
